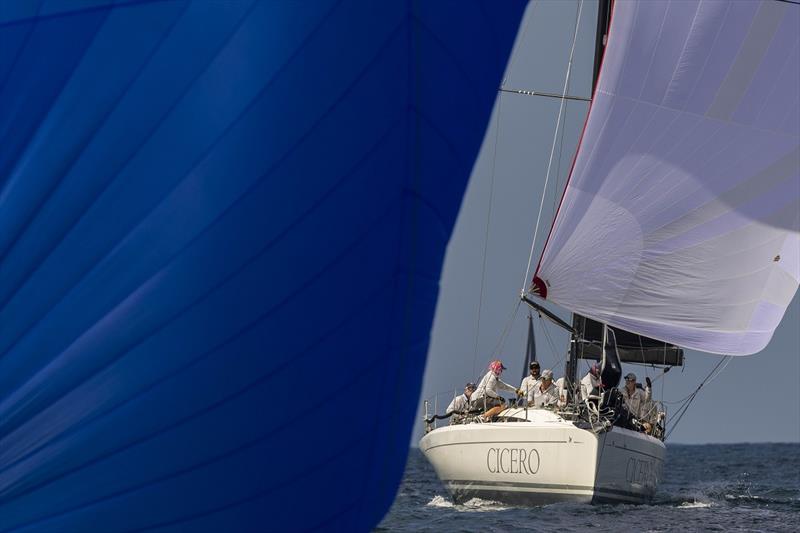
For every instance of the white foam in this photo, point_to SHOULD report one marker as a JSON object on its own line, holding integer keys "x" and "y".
{"x": 439, "y": 501}
{"x": 475, "y": 505}
{"x": 694, "y": 505}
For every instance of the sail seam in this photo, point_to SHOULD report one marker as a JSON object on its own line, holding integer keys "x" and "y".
{"x": 110, "y": 6}
{"x": 618, "y": 96}
{"x": 216, "y": 349}
{"x": 75, "y": 223}
{"x": 75, "y": 156}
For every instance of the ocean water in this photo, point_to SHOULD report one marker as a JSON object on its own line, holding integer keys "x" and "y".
{"x": 712, "y": 487}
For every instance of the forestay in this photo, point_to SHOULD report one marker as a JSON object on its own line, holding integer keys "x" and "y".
{"x": 680, "y": 220}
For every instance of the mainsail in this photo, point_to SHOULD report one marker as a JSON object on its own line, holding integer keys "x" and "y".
{"x": 681, "y": 218}
{"x": 631, "y": 348}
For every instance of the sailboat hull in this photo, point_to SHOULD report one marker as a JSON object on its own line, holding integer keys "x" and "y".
{"x": 544, "y": 460}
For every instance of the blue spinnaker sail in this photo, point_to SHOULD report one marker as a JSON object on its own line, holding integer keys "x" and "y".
{"x": 222, "y": 226}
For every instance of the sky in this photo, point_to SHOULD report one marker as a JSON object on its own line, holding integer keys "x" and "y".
{"x": 754, "y": 399}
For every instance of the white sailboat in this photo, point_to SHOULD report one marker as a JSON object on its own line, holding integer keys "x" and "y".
{"x": 547, "y": 459}
{"x": 583, "y": 451}
{"x": 679, "y": 226}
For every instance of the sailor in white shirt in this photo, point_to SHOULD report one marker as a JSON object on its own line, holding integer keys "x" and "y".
{"x": 530, "y": 382}
{"x": 486, "y": 396}
{"x": 460, "y": 404}
{"x": 636, "y": 399}
{"x": 546, "y": 394}
{"x": 590, "y": 381}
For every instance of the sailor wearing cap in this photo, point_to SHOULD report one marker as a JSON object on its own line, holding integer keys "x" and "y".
{"x": 636, "y": 399}
{"x": 546, "y": 394}
{"x": 590, "y": 381}
{"x": 460, "y": 404}
{"x": 486, "y": 396}
{"x": 530, "y": 382}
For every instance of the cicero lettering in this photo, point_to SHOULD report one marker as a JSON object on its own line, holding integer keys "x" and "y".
{"x": 641, "y": 472}
{"x": 513, "y": 460}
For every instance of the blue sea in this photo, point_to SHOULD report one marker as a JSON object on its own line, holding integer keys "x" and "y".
{"x": 712, "y": 487}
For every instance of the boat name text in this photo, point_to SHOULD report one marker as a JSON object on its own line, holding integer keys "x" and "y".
{"x": 643, "y": 472}
{"x": 512, "y": 460}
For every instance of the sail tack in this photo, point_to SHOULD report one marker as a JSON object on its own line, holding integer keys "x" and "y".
{"x": 681, "y": 218}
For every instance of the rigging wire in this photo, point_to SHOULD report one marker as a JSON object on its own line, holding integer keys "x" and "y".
{"x": 560, "y": 158}
{"x": 557, "y": 185}
{"x": 552, "y": 345}
{"x": 708, "y": 379}
{"x": 491, "y": 186}
{"x": 663, "y": 381}
{"x": 486, "y": 232}
{"x": 501, "y": 341}
{"x": 644, "y": 362}
{"x": 689, "y": 399}
{"x": 553, "y": 147}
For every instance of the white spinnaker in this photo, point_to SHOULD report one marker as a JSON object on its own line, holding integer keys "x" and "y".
{"x": 681, "y": 218}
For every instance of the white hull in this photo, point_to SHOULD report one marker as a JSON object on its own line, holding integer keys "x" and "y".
{"x": 544, "y": 460}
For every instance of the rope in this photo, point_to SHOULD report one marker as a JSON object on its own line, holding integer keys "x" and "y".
{"x": 550, "y": 342}
{"x": 491, "y": 187}
{"x": 438, "y": 417}
{"x": 553, "y": 147}
{"x": 501, "y": 341}
{"x": 641, "y": 347}
{"x": 708, "y": 379}
{"x": 486, "y": 232}
{"x": 689, "y": 399}
{"x": 557, "y": 184}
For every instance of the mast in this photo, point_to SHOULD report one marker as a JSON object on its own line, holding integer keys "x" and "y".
{"x": 601, "y": 37}
{"x": 578, "y": 322}
{"x": 530, "y": 348}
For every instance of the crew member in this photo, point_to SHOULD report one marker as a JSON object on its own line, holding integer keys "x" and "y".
{"x": 530, "y": 382}
{"x": 460, "y": 404}
{"x": 590, "y": 381}
{"x": 546, "y": 394}
{"x": 485, "y": 396}
{"x": 637, "y": 400}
